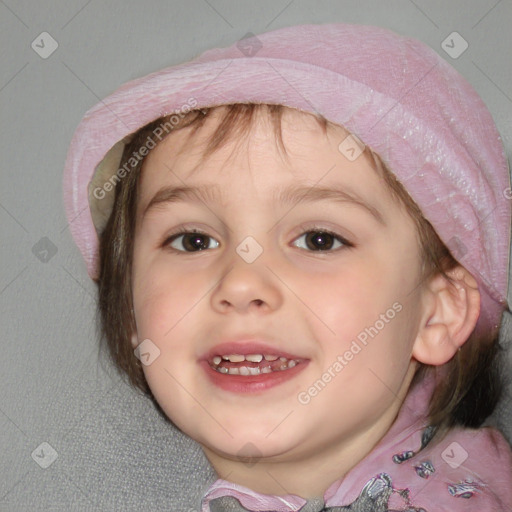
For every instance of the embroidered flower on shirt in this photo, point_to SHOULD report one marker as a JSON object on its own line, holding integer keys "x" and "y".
{"x": 424, "y": 469}
{"x": 398, "y": 458}
{"x": 426, "y": 437}
{"x": 466, "y": 489}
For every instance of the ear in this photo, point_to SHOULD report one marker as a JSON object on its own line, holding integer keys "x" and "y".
{"x": 135, "y": 337}
{"x": 135, "y": 340}
{"x": 450, "y": 313}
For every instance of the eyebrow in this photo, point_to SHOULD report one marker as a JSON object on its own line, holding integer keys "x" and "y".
{"x": 293, "y": 194}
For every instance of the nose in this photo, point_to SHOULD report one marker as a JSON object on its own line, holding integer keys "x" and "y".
{"x": 246, "y": 287}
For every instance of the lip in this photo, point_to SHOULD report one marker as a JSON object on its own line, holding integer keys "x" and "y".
{"x": 250, "y": 384}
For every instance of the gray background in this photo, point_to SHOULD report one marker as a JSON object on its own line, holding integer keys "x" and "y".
{"x": 114, "y": 451}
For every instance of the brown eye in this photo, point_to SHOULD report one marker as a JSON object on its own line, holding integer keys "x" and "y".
{"x": 321, "y": 240}
{"x": 190, "y": 241}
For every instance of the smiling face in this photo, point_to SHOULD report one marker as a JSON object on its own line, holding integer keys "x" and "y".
{"x": 275, "y": 273}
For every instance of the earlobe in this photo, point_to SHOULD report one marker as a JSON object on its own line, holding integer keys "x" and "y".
{"x": 450, "y": 313}
{"x": 135, "y": 337}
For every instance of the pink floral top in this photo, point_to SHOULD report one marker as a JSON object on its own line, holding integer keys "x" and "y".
{"x": 469, "y": 470}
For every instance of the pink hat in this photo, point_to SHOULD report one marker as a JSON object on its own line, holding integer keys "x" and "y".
{"x": 396, "y": 94}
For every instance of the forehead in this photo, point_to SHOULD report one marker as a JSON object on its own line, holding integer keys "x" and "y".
{"x": 297, "y": 128}
{"x": 312, "y": 157}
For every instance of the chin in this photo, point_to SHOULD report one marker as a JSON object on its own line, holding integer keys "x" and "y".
{"x": 246, "y": 447}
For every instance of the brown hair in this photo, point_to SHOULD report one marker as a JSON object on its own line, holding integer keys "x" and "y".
{"x": 472, "y": 381}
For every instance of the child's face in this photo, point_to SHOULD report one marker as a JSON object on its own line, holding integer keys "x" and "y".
{"x": 293, "y": 297}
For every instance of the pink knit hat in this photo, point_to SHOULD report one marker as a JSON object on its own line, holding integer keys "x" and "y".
{"x": 396, "y": 94}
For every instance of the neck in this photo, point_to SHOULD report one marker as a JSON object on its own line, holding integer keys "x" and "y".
{"x": 307, "y": 474}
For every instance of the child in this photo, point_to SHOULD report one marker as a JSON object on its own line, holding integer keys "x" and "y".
{"x": 301, "y": 246}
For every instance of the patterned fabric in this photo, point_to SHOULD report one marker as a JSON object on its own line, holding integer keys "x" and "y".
{"x": 374, "y": 497}
{"x": 469, "y": 470}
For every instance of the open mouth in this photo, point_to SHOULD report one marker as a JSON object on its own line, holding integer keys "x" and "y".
{"x": 251, "y": 364}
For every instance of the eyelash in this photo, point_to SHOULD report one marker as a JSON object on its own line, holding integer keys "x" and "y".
{"x": 183, "y": 230}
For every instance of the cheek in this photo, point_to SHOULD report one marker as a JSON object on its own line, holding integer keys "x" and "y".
{"x": 365, "y": 310}
{"x": 161, "y": 299}
{"x": 167, "y": 300}
{"x": 349, "y": 298}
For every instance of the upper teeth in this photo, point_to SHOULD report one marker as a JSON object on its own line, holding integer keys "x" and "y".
{"x": 253, "y": 358}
